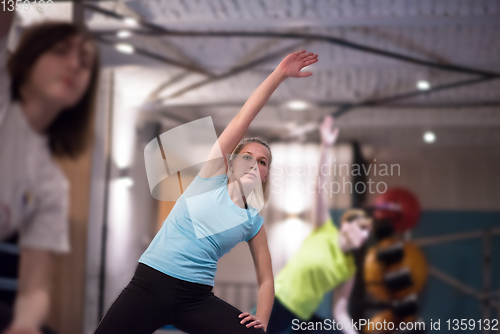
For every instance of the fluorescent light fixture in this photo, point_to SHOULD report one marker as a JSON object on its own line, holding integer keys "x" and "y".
{"x": 124, "y": 48}
{"x": 297, "y": 105}
{"x": 423, "y": 85}
{"x": 123, "y": 34}
{"x": 126, "y": 182}
{"x": 131, "y": 21}
{"x": 429, "y": 137}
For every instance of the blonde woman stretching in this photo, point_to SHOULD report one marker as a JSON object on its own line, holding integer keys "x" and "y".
{"x": 174, "y": 278}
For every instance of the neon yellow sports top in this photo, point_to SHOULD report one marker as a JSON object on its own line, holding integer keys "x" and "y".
{"x": 315, "y": 269}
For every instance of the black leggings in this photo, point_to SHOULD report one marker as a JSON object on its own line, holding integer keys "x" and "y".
{"x": 282, "y": 321}
{"x": 153, "y": 299}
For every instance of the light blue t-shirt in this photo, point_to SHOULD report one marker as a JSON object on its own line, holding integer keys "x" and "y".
{"x": 204, "y": 224}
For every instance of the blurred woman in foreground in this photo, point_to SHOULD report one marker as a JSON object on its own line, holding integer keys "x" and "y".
{"x": 47, "y": 88}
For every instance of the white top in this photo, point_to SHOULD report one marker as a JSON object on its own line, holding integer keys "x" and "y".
{"x": 33, "y": 190}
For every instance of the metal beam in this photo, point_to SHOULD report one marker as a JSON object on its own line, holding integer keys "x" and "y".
{"x": 437, "y": 240}
{"x": 485, "y": 75}
{"x": 158, "y": 57}
{"x": 234, "y": 71}
{"x": 192, "y": 68}
{"x": 270, "y": 23}
{"x": 464, "y": 288}
{"x": 155, "y": 95}
{"x": 330, "y": 104}
{"x": 370, "y": 103}
{"x": 333, "y": 40}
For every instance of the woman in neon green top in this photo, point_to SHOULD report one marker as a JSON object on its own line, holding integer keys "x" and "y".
{"x": 323, "y": 262}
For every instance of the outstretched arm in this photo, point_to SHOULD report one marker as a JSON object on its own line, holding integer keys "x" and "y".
{"x": 341, "y": 304}
{"x": 320, "y": 205}
{"x": 290, "y": 66}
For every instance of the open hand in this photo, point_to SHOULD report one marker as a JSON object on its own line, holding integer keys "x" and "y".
{"x": 328, "y": 135}
{"x": 294, "y": 62}
{"x": 256, "y": 322}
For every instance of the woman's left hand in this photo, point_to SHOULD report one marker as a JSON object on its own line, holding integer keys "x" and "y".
{"x": 256, "y": 322}
{"x": 294, "y": 62}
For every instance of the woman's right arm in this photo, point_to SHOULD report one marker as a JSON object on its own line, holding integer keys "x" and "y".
{"x": 290, "y": 66}
{"x": 328, "y": 138}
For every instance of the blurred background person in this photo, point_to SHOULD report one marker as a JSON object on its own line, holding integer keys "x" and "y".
{"x": 324, "y": 261}
{"x": 47, "y": 90}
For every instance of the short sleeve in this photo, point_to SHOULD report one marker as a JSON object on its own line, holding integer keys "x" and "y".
{"x": 259, "y": 221}
{"x": 202, "y": 185}
{"x": 48, "y": 226}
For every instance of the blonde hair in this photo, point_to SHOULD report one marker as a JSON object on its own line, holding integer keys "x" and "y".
{"x": 258, "y": 140}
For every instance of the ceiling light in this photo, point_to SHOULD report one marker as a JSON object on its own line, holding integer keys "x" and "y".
{"x": 126, "y": 182}
{"x": 125, "y": 48}
{"x": 423, "y": 85}
{"x": 131, "y": 21}
{"x": 124, "y": 178}
{"x": 123, "y": 34}
{"x": 429, "y": 137}
{"x": 297, "y": 105}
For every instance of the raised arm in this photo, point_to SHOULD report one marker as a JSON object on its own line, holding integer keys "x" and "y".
{"x": 320, "y": 206}
{"x": 290, "y": 66}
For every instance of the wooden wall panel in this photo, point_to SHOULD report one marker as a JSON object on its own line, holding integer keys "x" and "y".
{"x": 67, "y": 303}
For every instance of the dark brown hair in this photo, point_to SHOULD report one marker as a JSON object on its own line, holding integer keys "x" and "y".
{"x": 352, "y": 214}
{"x": 68, "y": 135}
